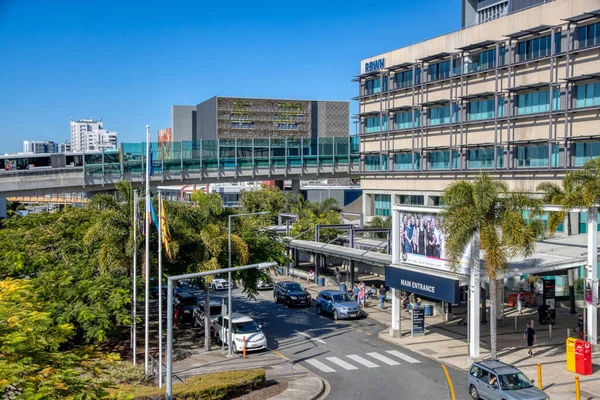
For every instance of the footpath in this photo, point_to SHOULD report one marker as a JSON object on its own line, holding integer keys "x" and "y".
{"x": 446, "y": 342}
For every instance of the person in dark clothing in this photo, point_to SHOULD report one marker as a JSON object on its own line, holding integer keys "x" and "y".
{"x": 382, "y": 291}
{"x": 422, "y": 237}
{"x": 580, "y": 326}
{"x": 543, "y": 313}
{"x": 529, "y": 334}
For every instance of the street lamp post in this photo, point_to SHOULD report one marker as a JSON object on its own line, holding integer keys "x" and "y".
{"x": 229, "y": 353}
{"x": 172, "y": 280}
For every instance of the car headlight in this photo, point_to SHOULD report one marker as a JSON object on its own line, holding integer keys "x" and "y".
{"x": 293, "y": 298}
{"x": 240, "y": 340}
{"x": 343, "y": 309}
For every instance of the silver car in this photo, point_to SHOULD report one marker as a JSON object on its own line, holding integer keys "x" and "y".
{"x": 495, "y": 380}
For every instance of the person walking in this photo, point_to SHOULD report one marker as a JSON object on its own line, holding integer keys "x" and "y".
{"x": 310, "y": 276}
{"x": 529, "y": 334}
{"x": 520, "y": 302}
{"x": 382, "y": 296}
{"x": 361, "y": 298}
{"x": 355, "y": 292}
{"x": 338, "y": 275}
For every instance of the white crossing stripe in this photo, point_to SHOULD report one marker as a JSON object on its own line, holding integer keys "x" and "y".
{"x": 403, "y": 357}
{"x": 363, "y": 361}
{"x": 320, "y": 365}
{"x": 311, "y": 338}
{"x": 384, "y": 359}
{"x": 341, "y": 363}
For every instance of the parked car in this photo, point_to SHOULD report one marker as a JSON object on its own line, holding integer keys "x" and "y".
{"x": 495, "y": 380}
{"x": 266, "y": 283}
{"x": 242, "y": 327}
{"x": 219, "y": 284}
{"x": 338, "y": 304}
{"x": 198, "y": 314}
{"x": 291, "y": 294}
{"x": 186, "y": 303}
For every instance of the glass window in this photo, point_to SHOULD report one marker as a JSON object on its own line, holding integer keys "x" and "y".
{"x": 373, "y": 86}
{"x": 372, "y": 124}
{"x": 404, "y": 79}
{"x": 588, "y": 95}
{"x": 438, "y": 71}
{"x": 373, "y": 162}
{"x": 536, "y": 102}
{"x": 585, "y": 151}
{"x": 403, "y": 161}
{"x": 537, "y": 47}
{"x": 383, "y": 205}
{"x": 404, "y": 120}
{"x": 441, "y": 160}
{"x": 418, "y": 76}
{"x": 484, "y": 109}
{"x": 588, "y": 35}
{"x": 484, "y": 158}
{"x": 441, "y": 115}
{"x": 536, "y": 156}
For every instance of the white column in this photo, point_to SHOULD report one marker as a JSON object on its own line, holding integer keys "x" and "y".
{"x": 474, "y": 299}
{"x": 592, "y": 275}
{"x": 395, "y": 237}
{"x": 395, "y": 330}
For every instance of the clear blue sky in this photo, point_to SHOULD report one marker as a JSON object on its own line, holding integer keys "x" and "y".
{"x": 127, "y": 62}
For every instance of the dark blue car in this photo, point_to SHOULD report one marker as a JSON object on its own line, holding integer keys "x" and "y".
{"x": 338, "y": 304}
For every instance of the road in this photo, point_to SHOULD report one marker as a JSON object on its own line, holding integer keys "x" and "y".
{"x": 348, "y": 354}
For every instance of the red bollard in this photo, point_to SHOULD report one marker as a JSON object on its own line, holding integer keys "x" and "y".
{"x": 244, "y": 353}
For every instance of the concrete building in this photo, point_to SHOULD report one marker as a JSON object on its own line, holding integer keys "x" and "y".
{"x": 247, "y": 118}
{"x": 64, "y": 147}
{"x": 40, "y": 147}
{"x": 479, "y": 11}
{"x": 89, "y": 135}
{"x": 517, "y": 97}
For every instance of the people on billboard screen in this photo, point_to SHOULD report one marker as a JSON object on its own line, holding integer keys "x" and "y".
{"x": 421, "y": 235}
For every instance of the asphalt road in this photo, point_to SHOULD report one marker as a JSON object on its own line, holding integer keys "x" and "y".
{"x": 348, "y": 354}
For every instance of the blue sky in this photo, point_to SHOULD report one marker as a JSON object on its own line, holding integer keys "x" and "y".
{"x": 127, "y": 62}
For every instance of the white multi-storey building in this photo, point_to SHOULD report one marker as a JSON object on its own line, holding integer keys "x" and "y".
{"x": 39, "y": 147}
{"x": 89, "y": 134}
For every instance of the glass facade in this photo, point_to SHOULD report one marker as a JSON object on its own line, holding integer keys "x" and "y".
{"x": 484, "y": 158}
{"x": 537, "y": 102}
{"x": 403, "y": 161}
{"x": 484, "y": 60}
{"x": 588, "y": 95}
{"x": 404, "y": 120}
{"x": 588, "y": 35}
{"x": 537, "y": 48}
{"x": 441, "y": 115}
{"x": 441, "y": 160}
{"x": 373, "y": 86}
{"x": 438, "y": 71}
{"x": 373, "y": 125}
{"x": 484, "y": 109}
{"x": 383, "y": 205}
{"x": 585, "y": 151}
{"x": 405, "y": 78}
{"x": 536, "y": 156}
{"x": 376, "y": 162}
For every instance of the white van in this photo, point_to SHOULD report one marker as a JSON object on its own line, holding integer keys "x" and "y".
{"x": 242, "y": 327}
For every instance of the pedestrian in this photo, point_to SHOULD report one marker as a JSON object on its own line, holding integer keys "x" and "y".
{"x": 520, "y": 302}
{"x": 310, "y": 276}
{"x": 579, "y": 327}
{"x": 338, "y": 275}
{"x": 371, "y": 292}
{"x": 361, "y": 298}
{"x": 355, "y": 292}
{"x": 529, "y": 334}
{"x": 382, "y": 296}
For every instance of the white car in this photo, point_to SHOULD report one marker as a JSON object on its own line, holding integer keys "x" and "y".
{"x": 198, "y": 314}
{"x": 219, "y": 284}
{"x": 245, "y": 332}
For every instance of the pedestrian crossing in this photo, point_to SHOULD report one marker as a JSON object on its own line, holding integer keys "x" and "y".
{"x": 353, "y": 362}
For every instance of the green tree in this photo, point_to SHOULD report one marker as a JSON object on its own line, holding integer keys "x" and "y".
{"x": 267, "y": 198}
{"x": 485, "y": 210}
{"x": 556, "y": 195}
{"x": 380, "y": 223}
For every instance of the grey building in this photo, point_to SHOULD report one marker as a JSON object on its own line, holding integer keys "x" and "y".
{"x": 40, "y": 147}
{"x": 479, "y": 11}
{"x": 234, "y": 117}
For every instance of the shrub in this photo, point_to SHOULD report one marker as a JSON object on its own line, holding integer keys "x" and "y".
{"x": 215, "y": 386}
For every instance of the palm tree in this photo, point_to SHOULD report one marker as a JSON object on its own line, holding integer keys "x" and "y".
{"x": 556, "y": 195}
{"x": 485, "y": 209}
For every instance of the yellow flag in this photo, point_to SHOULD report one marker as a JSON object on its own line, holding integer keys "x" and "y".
{"x": 164, "y": 229}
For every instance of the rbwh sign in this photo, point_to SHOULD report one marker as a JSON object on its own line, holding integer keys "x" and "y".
{"x": 376, "y": 65}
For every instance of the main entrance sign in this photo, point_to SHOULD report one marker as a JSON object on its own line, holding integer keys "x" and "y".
{"x": 431, "y": 286}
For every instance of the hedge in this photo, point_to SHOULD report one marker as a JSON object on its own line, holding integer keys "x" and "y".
{"x": 215, "y": 386}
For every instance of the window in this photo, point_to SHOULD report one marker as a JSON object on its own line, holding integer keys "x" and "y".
{"x": 484, "y": 158}
{"x": 588, "y": 95}
{"x": 585, "y": 151}
{"x": 588, "y": 35}
{"x": 404, "y": 120}
{"x": 492, "y": 12}
{"x": 412, "y": 199}
{"x": 438, "y": 71}
{"x": 441, "y": 115}
{"x": 484, "y": 109}
{"x": 372, "y": 124}
{"x": 373, "y": 162}
{"x": 441, "y": 160}
{"x": 536, "y": 156}
{"x": 383, "y": 205}
{"x": 403, "y": 161}
{"x": 537, "y": 102}
{"x": 404, "y": 79}
{"x": 484, "y": 60}
{"x": 373, "y": 86}
{"x": 538, "y": 47}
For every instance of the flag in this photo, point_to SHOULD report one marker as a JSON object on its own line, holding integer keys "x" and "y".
{"x": 164, "y": 230}
{"x": 152, "y": 215}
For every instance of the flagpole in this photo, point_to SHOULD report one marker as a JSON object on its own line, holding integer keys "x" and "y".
{"x": 135, "y": 222}
{"x": 147, "y": 257}
{"x": 160, "y": 310}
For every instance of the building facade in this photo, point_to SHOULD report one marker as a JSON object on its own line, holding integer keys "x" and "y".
{"x": 90, "y": 135}
{"x": 246, "y": 118}
{"x": 40, "y": 147}
{"x": 517, "y": 97}
{"x": 479, "y": 11}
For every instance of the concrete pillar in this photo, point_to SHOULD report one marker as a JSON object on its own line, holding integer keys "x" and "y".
{"x": 317, "y": 262}
{"x": 396, "y": 310}
{"x": 352, "y": 277}
{"x": 571, "y": 276}
{"x": 474, "y": 296}
{"x": 296, "y": 186}
{"x": 592, "y": 275}
{"x": 2, "y": 207}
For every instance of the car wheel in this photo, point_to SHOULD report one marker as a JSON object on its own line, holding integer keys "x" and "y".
{"x": 234, "y": 349}
{"x": 318, "y": 309}
{"x": 335, "y": 315}
{"x": 275, "y": 298}
{"x": 474, "y": 393}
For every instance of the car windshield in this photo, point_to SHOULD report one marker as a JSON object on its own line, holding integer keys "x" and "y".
{"x": 294, "y": 287}
{"x": 215, "y": 310}
{"x": 342, "y": 298}
{"x": 246, "y": 327}
{"x": 515, "y": 381}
